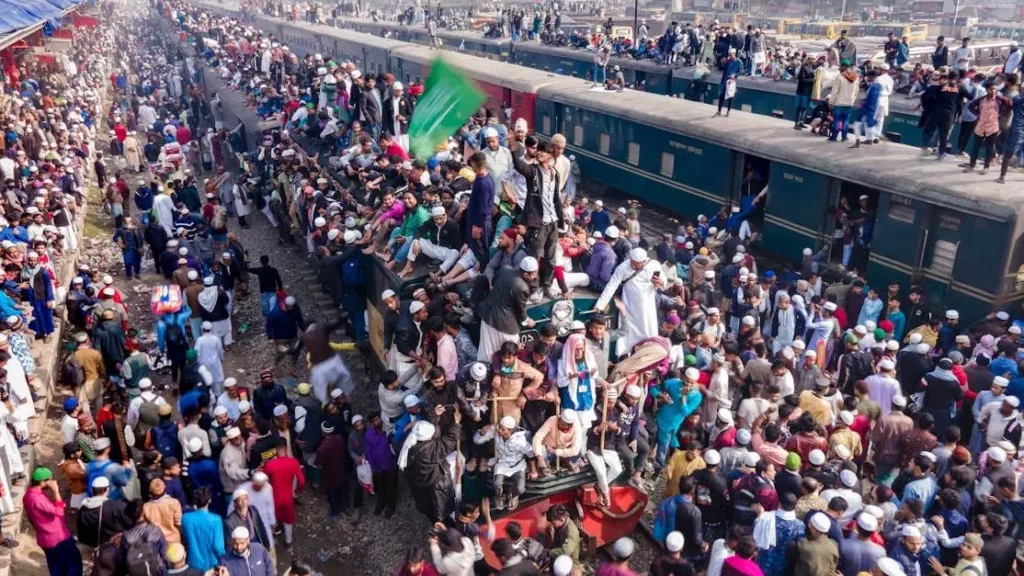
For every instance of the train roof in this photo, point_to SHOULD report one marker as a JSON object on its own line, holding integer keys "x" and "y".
{"x": 588, "y": 56}
{"x": 360, "y": 38}
{"x": 512, "y": 76}
{"x": 892, "y": 167}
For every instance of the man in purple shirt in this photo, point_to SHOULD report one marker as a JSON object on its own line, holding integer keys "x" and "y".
{"x": 46, "y": 514}
{"x": 383, "y": 465}
{"x": 602, "y": 263}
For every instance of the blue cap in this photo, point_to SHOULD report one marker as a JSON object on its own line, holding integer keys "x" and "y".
{"x": 11, "y": 285}
{"x": 70, "y": 404}
{"x": 769, "y": 274}
{"x": 432, "y": 163}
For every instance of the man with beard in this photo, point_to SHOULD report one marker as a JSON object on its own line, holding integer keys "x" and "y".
{"x": 445, "y": 394}
{"x": 540, "y": 399}
{"x": 424, "y": 457}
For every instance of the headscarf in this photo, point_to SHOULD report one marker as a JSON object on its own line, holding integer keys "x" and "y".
{"x": 986, "y": 346}
{"x": 421, "y": 432}
{"x": 208, "y": 297}
{"x": 569, "y": 356}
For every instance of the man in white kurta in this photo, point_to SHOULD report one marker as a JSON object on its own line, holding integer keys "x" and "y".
{"x": 640, "y": 278}
{"x": 210, "y": 352}
{"x": 164, "y": 208}
{"x": 21, "y": 397}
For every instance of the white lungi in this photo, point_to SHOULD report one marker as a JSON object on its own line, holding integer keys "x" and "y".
{"x": 491, "y": 341}
{"x": 331, "y": 371}
{"x": 447, "y": 256}
{"x": 607, "y": 467}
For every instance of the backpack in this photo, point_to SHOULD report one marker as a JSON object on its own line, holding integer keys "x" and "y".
{"x": 165, "y": 440}
{"x": 665, "y": 518}
{"x": 149, "y": 417}
{"x": 72, "y": 373}
{"x": 141, "y": 559}
{"x": 861, "y": 365}
{"x": 94, "y": 472}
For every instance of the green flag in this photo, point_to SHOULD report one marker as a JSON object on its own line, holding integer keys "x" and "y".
{"x": 449, "y": 98}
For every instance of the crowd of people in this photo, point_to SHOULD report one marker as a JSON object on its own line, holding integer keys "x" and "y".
{"x": 783, "y": 423}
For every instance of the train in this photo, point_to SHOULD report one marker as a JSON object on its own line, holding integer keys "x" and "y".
{"x": 959, "y": 236}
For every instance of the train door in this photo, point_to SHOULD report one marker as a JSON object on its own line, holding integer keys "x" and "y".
{"x": 751, "y": 188}
{"x": 941, "y": 248}
{"x": 851, "y": 224}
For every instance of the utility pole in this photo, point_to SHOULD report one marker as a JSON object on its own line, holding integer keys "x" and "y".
{"x": 956, "y": 13}
{"x": 636, "y": 12}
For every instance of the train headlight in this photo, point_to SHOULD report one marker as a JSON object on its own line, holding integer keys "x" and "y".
{"x": 562, "y": 313}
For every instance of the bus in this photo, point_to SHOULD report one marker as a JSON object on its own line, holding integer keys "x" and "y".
{"x": 915, "y": 32}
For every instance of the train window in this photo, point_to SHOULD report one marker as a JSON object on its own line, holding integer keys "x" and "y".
{"x": 605, "y": 144}
{"x": 901, "y": 211}
{"x": 668, "y": 164}
{"x": 634, "y": 154}
{"x": 944, "y": 257}
{"x": 577, "y": 135}
{"x": 546, "y": 124}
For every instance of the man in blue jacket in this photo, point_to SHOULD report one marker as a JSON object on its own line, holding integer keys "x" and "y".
{"x": 245, "y": 557}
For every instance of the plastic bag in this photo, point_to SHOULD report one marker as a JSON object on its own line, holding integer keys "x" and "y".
{"x": 365, "y": 476}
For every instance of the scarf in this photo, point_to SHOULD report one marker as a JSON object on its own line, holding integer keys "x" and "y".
{"x": 764, "y": 528}
{"x": 422, "y": 431}
{"x": 208, "y": 298}
{"x": 986, "y": 346}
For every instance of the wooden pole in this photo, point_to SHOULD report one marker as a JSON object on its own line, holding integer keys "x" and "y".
{"x": 604, "y": 417}
{"x": 558, "y": 460}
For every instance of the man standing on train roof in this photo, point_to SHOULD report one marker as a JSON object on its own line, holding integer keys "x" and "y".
{"x": 640, "y": 278}
{"x": 891, "y": 49}
{"x": 963, "y": 56}
{"x": 1013, "y": 60}
{"x": 940, "y": 56}
{"x": 504, "y": 309}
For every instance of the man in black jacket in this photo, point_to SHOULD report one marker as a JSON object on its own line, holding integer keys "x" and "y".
{"x": 504, "y": 310}
{"x": 438, "y": 239}
{"x": 397, "y": 111}
{"x": 804, "y": 89}
{"x": 542, "y": 211}
{"x": 943, "y": 102}
{"x": 689, "y": 520}
{"x": 118, "y": 515}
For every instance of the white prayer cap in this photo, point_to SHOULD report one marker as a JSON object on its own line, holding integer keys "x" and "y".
{"x": 562, "y": 566}
{"x": 240, "y": 533}
{"x": 389, "y": 293}
{"x": 220, "y": 411}
{"x": 397, "y": 86}
{"x": 232, "y": 433}
{"x": 743, "y": 436}
{"x": 357, "y": 419}
{"x": 843, "y": 452}
{"x": 230, "y": 382}
{"x": 830, "y": 306}
{"x": 820, "y": 522}
{"x": 507, "y": 422}
{"x": 909, "y": 531}
{"x": 633, "y": 391}
{"x": 713, "y": 311}
{"x": 195, "y": 445}
{"x": 244, "y": 406}
{"x": 848, "y": 478}
{"x": 351, "y": 236}
{"x": 612, "y": 232}
{"x": 193, "y": 275}
{"x": 289, "y": 301}
{"x": 916, "y": 338}
{"x": 860, "y": 330}
{"x": 107, "y": 279}
{"x": 1014, "y": 330}
{"x": 930, "y": 456}
{"x": 207, "y": 325}
{"x": 623, "y": 548}
{"x": 1006, "y": 445}
{"x": 108, "y": 291}
{"x": 674, "y": 541}
{"x": 239, "y": 492}
{"x": 638, "y": 255}
{"x": 100, "y": 482}
{"x": 744, "y": 277}
{"x": 208, "y": 281}
{"x": 333, "y": 233}
{"x": 816, "y": 457}
{"x": 892, "y": 345}
{"x": 101, "y": 443}
{"x": 416, "y": 306}
{"x": 712, "y": 457}
{"x": 751, "y": 459}
{"x": 336, "y": 393}
{"x": 478, "y": 371}
{"x": 437, "y": 211}
{"x": 1002, "y": 315}
{"x": 737, "y": 258}
{"x": 1012, "y": 401}
{"x": 260, "y": 477}
{"x": 886, "y": 364}
{"x": 808, "y": 251}
{"x": 725, "y": 415}
{"x": 490, "y": 132}
{"x": 866, "y": 521}
{"x": 870, "y": 325}
{"x": 280, "y": 410}
{"x": 599, "y": 203}
{"x": 952, "y": 315}
{"x": 749, "y": 321}
{"x": 529, "y": 264}
{"x": 410, "y": 401}
{"x": 847, "y": 417}
{"x": 1000, "y": 381}
{"x": 692, "y": 374}
{"x": 577, "y": 325}
{"x": 319, "y": 221}
{"x": 145, "y": 384}
{"x": 900, "y": 401}
{"x": 568, "y": 416}
{"x": 996, "y": 454}
{"x": 709, "y": 274}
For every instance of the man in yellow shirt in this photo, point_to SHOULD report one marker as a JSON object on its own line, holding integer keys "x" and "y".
{"x": 814, "y": 403}
{"x": 682, "y": 464}
{"x": 91, "y": 361}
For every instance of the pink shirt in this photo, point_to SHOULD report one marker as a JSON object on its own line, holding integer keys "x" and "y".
{"x": 736, "y": 566}
{"x": 609, "y": 569}
{"x": 46, "y": 517}
{"x": 448, "y": 357}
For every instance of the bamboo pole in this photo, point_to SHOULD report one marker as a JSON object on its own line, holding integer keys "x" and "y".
{"x": 558, "y": 459}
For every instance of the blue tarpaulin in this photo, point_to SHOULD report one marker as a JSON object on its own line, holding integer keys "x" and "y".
{"x": 18, "y": 14}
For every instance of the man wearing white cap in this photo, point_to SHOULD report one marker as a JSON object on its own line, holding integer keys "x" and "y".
{"x": 210, "y": 350}
{"x": 504, "y": 310}
{"x": 423, "y": 458}
{"x": 996, "y": 416}
{"x": 215, "y": 308}
{"x": 498, "y": 158}
{"x": 397, "y": 112}
{"x": 883, "y": 386}
{"x": 640, "y": 278}
{"x": 817, "y": 553}
{"x": 512, "y": 451}
{"x": 439, "y": 240}
{"x": 163, "y": 207}
{"x": 847, "y": 490}
{"x": 245, "y": 556}
{"x": 601, "y": 438}
{"x": 630, "y": 444}
{"x": 261, "y": 497}
{"x": 907, "y": 551}
{"x": 561, "y": 437}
